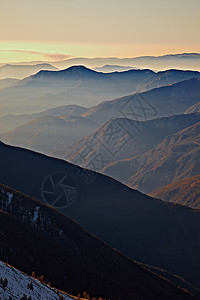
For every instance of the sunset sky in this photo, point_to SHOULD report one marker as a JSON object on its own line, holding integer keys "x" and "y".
{"x": 58, "y": 29}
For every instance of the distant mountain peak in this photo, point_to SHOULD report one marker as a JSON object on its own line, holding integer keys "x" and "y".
{"x": 75, "y": 71}
{"x": 79, "y": 70}
{"x": 79, "y": 67}
{"x": 84, "y": 72}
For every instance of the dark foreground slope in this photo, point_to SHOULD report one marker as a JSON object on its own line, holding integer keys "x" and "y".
{"x": 36, "y": 237}
{"x": 145, "y": 229}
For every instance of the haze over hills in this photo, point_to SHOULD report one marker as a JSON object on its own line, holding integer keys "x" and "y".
{"x": 66, "y": 136}
{"x": 100, "y": 150}
{"x": 177, "y": 98}
{"x": 185, "y": 192}
{"x": 175, "y": 158}
{"x": 10, "y": 122}
{"x": 188, "y": 61}
{"x": 123, "y": 138}
{"x": 134, "y": 119}
{"x": 82, "y": 86}
{"x": 22, "y": 71}
{"x": 51, "y": 244}
{"x": 145, "y": 229}
{"x": 76, "y": 84}
{"x": 48, "y": 134}
{"x": 113, "y": 68}
{"x": 8, "y": 82}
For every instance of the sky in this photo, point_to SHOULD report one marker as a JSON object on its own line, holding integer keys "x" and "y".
{"x": 58, "y": 29}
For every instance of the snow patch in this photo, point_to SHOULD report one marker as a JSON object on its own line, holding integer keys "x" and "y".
{"x": 10, "y": 196}
{"x": 36, "y": 214}
{"x": 20, "y": 284}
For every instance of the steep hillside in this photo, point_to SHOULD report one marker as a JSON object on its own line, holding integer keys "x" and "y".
{"x": 158, "y": 102}
{"x": 175, "y": 158}
{"x": 193, "y": 108}
{"x": 10, "y": 122}
{"x": 123, "y": 138}
{"x": 145, "y": 229}
{"x": 185, "y": 192}
{"x": 35, "y": 237}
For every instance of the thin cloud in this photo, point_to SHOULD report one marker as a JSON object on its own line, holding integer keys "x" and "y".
{"x": 57, "y": 56}
{"x": 52, "y": 56}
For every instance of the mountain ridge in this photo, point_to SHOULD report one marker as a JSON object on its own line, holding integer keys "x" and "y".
{"x": 172, "y": 103}
{"x": 70, "y": 257}
{"x": 122, "y": 217}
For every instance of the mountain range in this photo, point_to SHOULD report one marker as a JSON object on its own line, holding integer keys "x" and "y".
{"x": 188, "y": 61}
{"x": 76, "y": 84}
{"x": 82, "y": 86}
{"x": 100, "y": 178}
{"x": 165, "y": 101}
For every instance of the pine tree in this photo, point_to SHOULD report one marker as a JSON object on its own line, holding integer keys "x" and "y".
{"x": 88, "y": 296}
{"x": 41, "y": 279}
